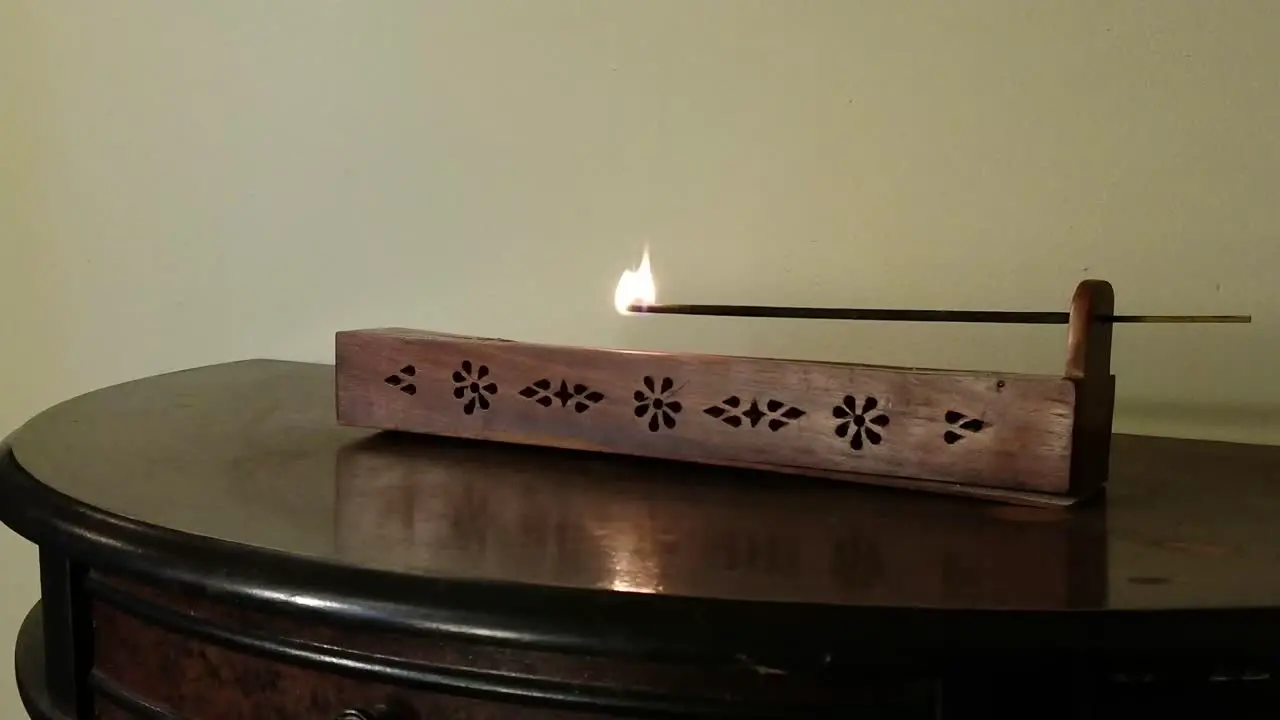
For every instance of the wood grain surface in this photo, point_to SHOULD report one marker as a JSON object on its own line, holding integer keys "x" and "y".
{"x": 197, "y": 657}
{"x": 995, "y": 430}
{"x": 189, "y": 678}
{"x": 1089, "y": 364}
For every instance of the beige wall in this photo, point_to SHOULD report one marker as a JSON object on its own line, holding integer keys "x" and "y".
{"x": 189, "y": 182}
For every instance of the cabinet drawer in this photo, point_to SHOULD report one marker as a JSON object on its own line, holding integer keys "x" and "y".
{"x": 180, "y": 652}
{"x": 144, "y": 671}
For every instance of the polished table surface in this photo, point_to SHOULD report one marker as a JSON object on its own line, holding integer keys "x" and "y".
{"x": 250, "y": 453}
{"x": 237, "y": 477}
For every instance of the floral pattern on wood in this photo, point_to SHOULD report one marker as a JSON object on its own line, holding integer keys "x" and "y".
{"x": 402, "y": 380}
{"x": 581, "y": 396}
{"x": 655, "y": 403}
{"x": 964, "y": 426}
{"x": 469, "y": 385}
{"x": 730, "y": 412}
{"x": 859, "y": 425}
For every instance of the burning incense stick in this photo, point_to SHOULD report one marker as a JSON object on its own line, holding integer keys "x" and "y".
{"x": 636, "y": 293}
{"x": 962, "y": 316}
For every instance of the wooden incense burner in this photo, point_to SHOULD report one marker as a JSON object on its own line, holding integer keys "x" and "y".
{"x": 1031, "y": 439}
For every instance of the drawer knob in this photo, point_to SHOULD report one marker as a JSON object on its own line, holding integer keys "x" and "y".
{"x": 391, "y": 711}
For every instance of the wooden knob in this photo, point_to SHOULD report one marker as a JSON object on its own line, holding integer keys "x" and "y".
{"x": 379, "y": 713}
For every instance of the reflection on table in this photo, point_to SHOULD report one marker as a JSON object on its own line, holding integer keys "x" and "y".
{"x": 487, "y": 511}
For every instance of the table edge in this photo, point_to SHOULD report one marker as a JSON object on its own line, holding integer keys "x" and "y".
{"x": 596, "y": 622}
{"x": 29, "y": 668}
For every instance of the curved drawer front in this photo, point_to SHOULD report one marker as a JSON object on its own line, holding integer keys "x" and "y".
{"x": 144, "y": 671}
{"x": 178, "y": 653}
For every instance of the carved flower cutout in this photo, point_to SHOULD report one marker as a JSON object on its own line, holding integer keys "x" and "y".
{"x": 863, "y": 423}
{"x": 471, "y": 385}
{"x": 657, "y": 404}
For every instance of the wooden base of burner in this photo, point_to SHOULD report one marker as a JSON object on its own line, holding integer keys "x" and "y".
{"x": 1028, "y": 439}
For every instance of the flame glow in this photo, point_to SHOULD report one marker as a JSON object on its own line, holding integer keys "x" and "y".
{"x": 635, "y": 287}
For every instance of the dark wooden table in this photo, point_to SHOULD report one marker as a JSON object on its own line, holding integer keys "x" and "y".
{"x": 214, "y": 546}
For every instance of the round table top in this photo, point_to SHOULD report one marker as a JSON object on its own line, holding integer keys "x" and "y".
{"x": 239, "y": 476}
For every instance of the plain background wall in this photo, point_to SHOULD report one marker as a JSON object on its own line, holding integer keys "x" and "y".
{"x": 183, "y": 183}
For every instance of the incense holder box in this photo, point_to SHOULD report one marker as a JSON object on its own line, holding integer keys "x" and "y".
{"x": 1037, "y": 439}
